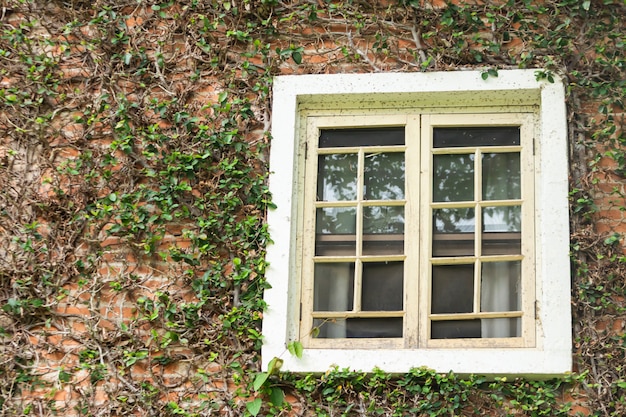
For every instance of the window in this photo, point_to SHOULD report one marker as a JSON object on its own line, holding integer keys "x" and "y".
{"x": 421, "y": 221}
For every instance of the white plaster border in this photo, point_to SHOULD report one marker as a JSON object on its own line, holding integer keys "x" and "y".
{"x": 552, "y": 354}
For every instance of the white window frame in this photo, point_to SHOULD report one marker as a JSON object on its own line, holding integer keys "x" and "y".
{"x": 513, "y": 91}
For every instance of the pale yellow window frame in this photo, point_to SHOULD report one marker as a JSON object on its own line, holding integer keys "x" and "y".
{"x": 314, "y": 125}
{"x": 417, "y": 203}
{"x": 526, "y": 123}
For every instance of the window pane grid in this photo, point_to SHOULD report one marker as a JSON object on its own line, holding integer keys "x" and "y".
{"x": 465, "y": 210}
{"x": 483, "y": 216}
{"x": 377, "y": 202}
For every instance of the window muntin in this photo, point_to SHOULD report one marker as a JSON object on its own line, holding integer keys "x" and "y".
{"x": 357, "y": 285}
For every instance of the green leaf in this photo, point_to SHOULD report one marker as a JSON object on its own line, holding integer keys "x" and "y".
{"x": 586, "y": 4}
{"x": 254, "y": 406}
{"x": 274, "y": 366}
{"x": 277, "y": 396}
{"x": 64, "y": 377}
{"x": 259, "y": 380}
{"x": 295, "y": 348}
{"x": 297, "y": 57}
{"x": 315, "y": 331}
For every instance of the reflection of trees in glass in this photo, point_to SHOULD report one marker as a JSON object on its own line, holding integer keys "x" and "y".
{"x": 382, "y": 220}
{"x": 453, "y": 177}
{"x": 453, "y": 180}
{"x": 501, "y": 176}
{"x": 383, "y": 180}
{"x": 339, "y": 220}
{"x": 456, "y": 220}
{"x": 384, "y": 176}
{"x": 336, "y": 177}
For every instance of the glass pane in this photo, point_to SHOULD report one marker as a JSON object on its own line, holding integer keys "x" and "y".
{"x": 383, "y": 219}
{"x": 502, "y": 230}
{"x": 333, "y": 287}
{"x": 383, "y": 244}
{"x": 452, "y": 137}
{"x": 500, "y": 286}
{"x": 330, "y": 328}
{"x": 359, "y": 328}
{"x": 457, "y": 220}
{"x": 383, "y": 230}
{"x": 501, "y": 176}
{"x": 502, "y": 219}
{"x": 382, "y": 286}
{"x": 452, "y": 289}
{"x": 453, "y": 232}
{"x": 504, "y": 327}
{"x": 335, "y": 230}
{"x": 384, "y": 136}
{"x": 384, "y": 176}
{"x": 483, "y": 328}
{"x": 336, "y": 177}
{"x": 336, "y": 220}
{"x": 453, "y": 177}
{"x": 455, "y": 329}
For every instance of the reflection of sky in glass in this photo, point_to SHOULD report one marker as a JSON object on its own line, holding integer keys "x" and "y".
{"x": 383, "y": 219}
{"x": 502, "y": 219}
{"x": 384, "y": 176}
{"x": 337, "y": 177}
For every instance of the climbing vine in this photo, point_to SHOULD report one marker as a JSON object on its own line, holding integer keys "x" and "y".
{"x": 133, "y": 190}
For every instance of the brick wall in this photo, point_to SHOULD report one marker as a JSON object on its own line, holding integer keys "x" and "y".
{"x": 133, "y": 149}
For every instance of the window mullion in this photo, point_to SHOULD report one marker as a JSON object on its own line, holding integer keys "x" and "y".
{"x": 478, "y": 193}
{"x": 412, "y": 269}
{"x": 358, "y": 267}
{"x": 308, "y": 246}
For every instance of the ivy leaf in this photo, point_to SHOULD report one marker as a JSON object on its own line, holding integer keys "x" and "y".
{"x": 295, "y": 348}
{"x": 274, "y": 366}
{"x": 297, "y": 57}
{"x": 64, "y": 377}
{"x": 259, "y": 380}
{"x": 254, "y": 406}
{"x": 277, "y": 396}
